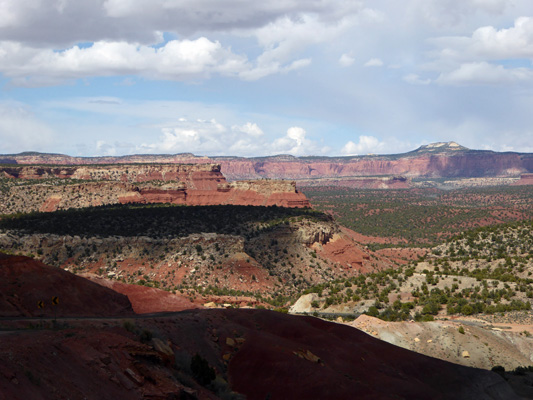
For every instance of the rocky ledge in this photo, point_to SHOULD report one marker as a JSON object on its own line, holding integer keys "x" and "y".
{"x": 52, "y": 188}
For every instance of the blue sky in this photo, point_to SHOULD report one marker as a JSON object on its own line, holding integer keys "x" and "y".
{"x": 246, "y": 78}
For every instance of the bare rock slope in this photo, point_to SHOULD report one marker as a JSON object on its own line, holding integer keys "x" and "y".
{"x": 470, "y": 342}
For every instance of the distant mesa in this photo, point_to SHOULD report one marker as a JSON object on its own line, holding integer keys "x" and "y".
{"x": 525, "y": 179}
{"x": 185, "y": 184}
{"x": 435, "y": 160}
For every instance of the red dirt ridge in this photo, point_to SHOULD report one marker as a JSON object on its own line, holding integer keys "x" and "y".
{"x": 258, "y": 353}
{"x": 147, "y": 300}
{"x": 25, "y": 282}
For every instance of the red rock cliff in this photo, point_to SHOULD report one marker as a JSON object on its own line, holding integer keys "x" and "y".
{"x": 434, "y": 160}
{"x": 201, "y": 184}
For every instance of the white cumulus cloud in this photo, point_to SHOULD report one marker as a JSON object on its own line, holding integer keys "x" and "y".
{"x": 374, "y": 62}
{"x": 476, "y": 59}
{"x": 295, "y": 143}
{"x": 210, "y": 137}
{"x": 249, "y": 128}
{"x": 365, "y": 145}
{"x": 127, "y": 37}
{"x": 346, "y": 60}
{"x": 176, "y": 60}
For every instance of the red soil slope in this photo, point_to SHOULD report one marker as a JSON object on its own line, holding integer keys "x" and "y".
{"x": 24, "y": 282}
{"x": 262, "y": 354}
{"x": 307, "y": 358}
{"x": 146, "y": 299}
{"x": 87, "y": 363}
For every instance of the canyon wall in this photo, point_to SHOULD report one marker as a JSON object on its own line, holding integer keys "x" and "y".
{"x": 193, "y": 176}
{"x": 465, "y": 164}
{"x": 442, "y": 160}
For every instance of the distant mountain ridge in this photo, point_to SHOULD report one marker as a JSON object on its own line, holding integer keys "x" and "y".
{"x": 435, "y": 160}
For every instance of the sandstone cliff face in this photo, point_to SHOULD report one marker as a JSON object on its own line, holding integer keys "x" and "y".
{"x": 201, "y": 184}
{"x": 468, "y": 164}
{"x": 432, "y": 161}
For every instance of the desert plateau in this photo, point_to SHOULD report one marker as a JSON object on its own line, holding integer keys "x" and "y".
{"x": 150, "y": 279}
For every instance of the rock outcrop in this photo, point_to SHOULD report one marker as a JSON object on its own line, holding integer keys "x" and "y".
{"x": 173, "y": 262}
{"x": 486, "y": 345}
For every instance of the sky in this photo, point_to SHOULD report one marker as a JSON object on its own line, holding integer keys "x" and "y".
{"x": 255, "y": 78}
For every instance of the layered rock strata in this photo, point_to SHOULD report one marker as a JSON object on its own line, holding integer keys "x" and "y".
{"x": 169, "y": 183}
{"x": 437, "y": 160}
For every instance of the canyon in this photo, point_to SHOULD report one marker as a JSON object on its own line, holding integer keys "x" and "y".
{"x": 109, "y": 237}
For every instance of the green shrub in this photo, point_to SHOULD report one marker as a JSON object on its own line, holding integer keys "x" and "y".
{"x": 201, "y": 370}
{"x": 146, "y": 336}
{"x": 129, "y": 325}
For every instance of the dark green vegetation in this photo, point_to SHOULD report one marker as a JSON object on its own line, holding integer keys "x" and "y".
{"x": 24, "y": 194}
{"x": 201, "y": 370}
{"x": 487, "y": 270}
{"x": 422, "y": 217}
{"x": 157, "y": 221}
{"x": 507, "y": 241}
{"x": 7, "y": 183}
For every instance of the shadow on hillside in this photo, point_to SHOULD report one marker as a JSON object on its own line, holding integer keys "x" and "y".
{"x": 156, "y": 220}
